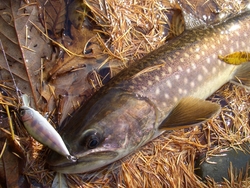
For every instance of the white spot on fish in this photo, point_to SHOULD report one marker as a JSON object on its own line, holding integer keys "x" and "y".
{"x": 163, "y": 74}
{"x": 202, "y": 53}
{"x": 237, "y": 44}
{"x": 166, "y": 96}
{"x": 208, "y": 61}
{"x": 184, "y": 91}
{"x": 177, "y": 53}
{"x": 177, "y": 77}
{"x": 180, "y": 91}
{"x": 164, "y": 104}
{"x": 170, "y": 70}
{"x": 213, "y": 70}
{"x": 197, "y": 56}
{"x": 150, "y": 83}
{"x": 175, "y": 99}
{"x": 193, "y": 66}
{"x": 200, "y": 77}
{"x": 133, "y": 81}
{"x": 182, "y": 60}
{"x": 197, "y": 49}
{"x": 157, "y": 78}
{"x": 157, "y": 91}
{"x": 186, "y": 54}
{"x": 170, "y": 59}
{"x": 185, "y": 80}
{"x": 213, "y": 46}
{"x": 243, "y": 44}
{"x": 192, "y": 84}
{"x": 231, "y": 49}
{"x": 180, "y": 68}
{"x": 188, "y": 70}
{"x": 219, "y": 62}
{"x": 169, "y": 84}
{"x": 144, "y": 88}
{"x": 204, "y": 69}
{"x": 214, "y": 56}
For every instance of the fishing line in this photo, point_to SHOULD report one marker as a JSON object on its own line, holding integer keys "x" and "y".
{"x": 18, "y": 91}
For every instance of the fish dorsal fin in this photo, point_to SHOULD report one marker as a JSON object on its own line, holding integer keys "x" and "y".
{"x": 189, "y": 111}
{"x": 242, "y": 74}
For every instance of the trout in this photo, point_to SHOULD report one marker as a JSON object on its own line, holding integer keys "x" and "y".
{"x": 164, "y": 90}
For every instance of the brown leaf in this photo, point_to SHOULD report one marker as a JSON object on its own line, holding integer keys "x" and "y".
{"x": 10, "y": 165}
{"x": 83, "y": 40}
{"x": 24, "y": 47}
{"x": 209, "y": 12}
{"x": 54, "y": 15}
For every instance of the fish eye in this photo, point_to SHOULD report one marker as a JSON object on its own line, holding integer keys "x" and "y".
{"x": 91, "y": 139}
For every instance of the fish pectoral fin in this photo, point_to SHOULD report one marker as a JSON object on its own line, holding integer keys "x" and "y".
{"x": 242, "y": 75}
{"x": 189, "y": 111}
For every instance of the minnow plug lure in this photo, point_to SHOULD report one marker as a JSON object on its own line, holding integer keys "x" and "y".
{"x": 39, "y": 128}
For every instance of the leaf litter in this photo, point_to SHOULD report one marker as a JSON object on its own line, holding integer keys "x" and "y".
{"x": 111, "y": 36}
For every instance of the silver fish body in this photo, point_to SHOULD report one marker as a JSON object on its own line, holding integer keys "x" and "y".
{"x": 163, "y": 90}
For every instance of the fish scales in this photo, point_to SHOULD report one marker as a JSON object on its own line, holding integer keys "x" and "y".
{"x": 165, "y": 89}
{"x": 188, "y": 61}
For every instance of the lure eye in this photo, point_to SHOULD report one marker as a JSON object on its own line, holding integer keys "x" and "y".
{"x": 22, "y": 112}
{"x": 91, "y": 139}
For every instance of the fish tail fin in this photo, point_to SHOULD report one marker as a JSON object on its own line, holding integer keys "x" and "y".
{"x": 242, "y": 75}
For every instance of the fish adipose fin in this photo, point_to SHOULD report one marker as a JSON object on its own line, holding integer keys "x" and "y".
{"x": 242, "y": 75}
{"x": 189, "y": 111}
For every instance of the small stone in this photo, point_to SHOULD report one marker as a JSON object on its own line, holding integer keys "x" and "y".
{"x": 220, "y": 168}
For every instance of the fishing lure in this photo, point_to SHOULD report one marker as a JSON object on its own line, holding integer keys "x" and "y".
{"x": 37, "y": 125}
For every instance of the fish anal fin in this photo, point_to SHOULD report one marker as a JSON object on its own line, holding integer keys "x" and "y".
{"x": 189, "y": 111}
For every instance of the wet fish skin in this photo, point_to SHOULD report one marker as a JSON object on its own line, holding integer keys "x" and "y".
{"x": 129, "y": 111}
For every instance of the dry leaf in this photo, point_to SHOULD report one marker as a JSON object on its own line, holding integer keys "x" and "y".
{"x": 10, "y": 164}
{"x": 209, "y": 12}
{"x": 54, "y": 15}
{"x": 236, "y": 58}
{"x": 24, "y": 47}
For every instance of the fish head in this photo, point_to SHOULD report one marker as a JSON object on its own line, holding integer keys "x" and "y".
{"x": 105, "y": 131}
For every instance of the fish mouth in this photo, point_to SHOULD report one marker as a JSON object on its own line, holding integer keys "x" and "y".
{"x": 86, "y": 163}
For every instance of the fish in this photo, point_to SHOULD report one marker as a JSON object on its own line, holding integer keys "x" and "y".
{"x": 164, "y": 90}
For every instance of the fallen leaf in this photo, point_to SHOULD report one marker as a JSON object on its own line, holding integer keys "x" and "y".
{"x": 10, "y": 164}
{"x": 236, "y": 58}
{"x": 54, "y": 15}
{"x": 24, "y": 47}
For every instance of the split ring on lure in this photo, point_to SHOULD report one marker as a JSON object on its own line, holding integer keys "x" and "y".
{"x": 42, "y": 131}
